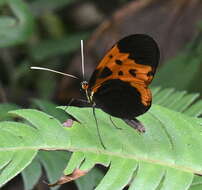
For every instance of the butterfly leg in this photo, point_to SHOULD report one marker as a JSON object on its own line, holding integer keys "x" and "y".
{"x": 114, "y": 123}
{"x": 134, "y": 123}
{"x": 69, "y": 122}
{"x": 98, "y": 130}
{"x": 69, "y": 103}
{"x": 78, "y": 102}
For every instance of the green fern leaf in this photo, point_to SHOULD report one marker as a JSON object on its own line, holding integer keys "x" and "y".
{"x": 165, "y": 157}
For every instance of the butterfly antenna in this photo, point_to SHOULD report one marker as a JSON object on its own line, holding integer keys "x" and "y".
{"x": 98, "y": 130}
{"x": 46, "y": 69}
{"x": 82, "y": 60}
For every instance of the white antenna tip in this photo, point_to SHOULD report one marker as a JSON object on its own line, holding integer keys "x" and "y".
{"x": 82, "y": 60}
{"x": 46, "y": 69}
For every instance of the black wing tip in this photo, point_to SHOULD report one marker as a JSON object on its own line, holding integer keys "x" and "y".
{"x": 139, "y": 38}
{"x": 141, "y": 47}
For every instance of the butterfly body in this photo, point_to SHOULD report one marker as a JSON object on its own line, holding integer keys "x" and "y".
{"x": 119, "y": 84}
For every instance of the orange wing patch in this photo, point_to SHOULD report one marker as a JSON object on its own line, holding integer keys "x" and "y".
{"x": 117, "y": 65}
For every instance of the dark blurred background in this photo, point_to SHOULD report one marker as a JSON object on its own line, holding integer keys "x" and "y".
{"x": 47, "y": 33}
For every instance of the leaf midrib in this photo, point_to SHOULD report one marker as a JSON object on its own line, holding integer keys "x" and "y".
{"x": 108, "y": 153}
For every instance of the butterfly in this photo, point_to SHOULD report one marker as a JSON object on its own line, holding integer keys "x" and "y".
{"x": 119, "y": 84}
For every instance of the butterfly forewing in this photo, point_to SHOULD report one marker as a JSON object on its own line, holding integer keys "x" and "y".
{"x": 133, "y": 59}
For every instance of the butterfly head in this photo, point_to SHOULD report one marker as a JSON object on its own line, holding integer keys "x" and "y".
{"x": 84, "y": 85}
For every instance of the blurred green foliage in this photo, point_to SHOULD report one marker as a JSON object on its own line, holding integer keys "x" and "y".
{"x": 17, "y": 29}
{"x": 183, "y": 72}
{"x": 36, "y": 32}
{"x": 39, "y": 6}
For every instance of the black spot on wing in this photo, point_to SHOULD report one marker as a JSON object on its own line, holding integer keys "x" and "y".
{"x": 132, "y": 72}
{"x": 118, "y": 62}
{"x": 110, "y": 56}
{"x": 141, "y": 48}
{"x": 120, "y": 73}
{"x": 105, "y": 73}
{"x": 150, "y": 73}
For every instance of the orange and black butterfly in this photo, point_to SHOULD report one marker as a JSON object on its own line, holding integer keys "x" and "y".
{"x": 119, "y": 84}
